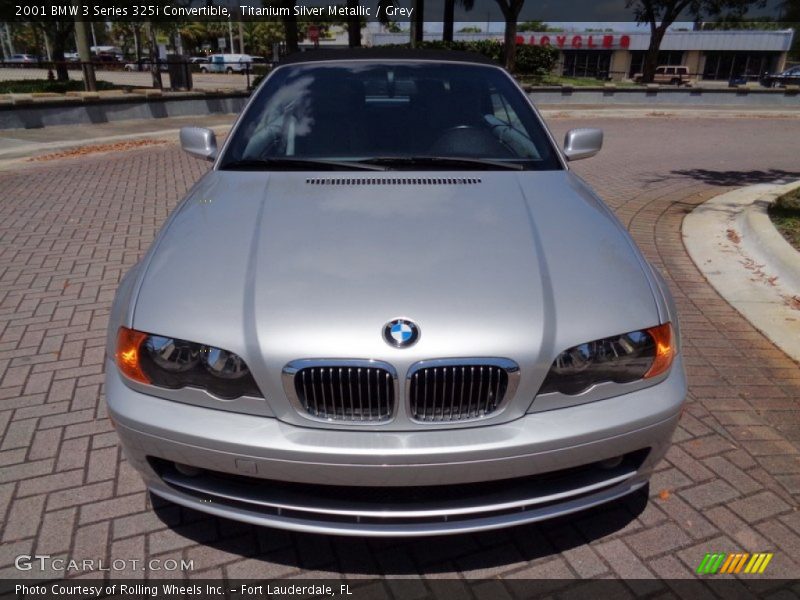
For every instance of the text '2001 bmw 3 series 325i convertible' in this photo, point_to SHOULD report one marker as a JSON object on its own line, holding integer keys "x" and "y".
{"x": 390, "y": 308}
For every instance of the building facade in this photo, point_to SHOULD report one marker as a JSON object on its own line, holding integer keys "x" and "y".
{"x": 710, "y": 55}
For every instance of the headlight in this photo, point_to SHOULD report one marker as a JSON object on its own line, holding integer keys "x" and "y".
{"x": 620, "y": 359}
{"x": 172, "y": 363}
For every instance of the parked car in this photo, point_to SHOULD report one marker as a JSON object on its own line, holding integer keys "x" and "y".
{"x": 23, "y": 60}
{"x": 737, "y": 80}
{"x": 391, "y": 308}
{"x": 195, "y": 60}
{"x": 106, "y": 58}
{"x": 227, "y": 63}
{"x": 143, "y": 64}
{"x": 72, "y": 57}
{"x": 672, "y": 75}
{"x": 788, "y": 77}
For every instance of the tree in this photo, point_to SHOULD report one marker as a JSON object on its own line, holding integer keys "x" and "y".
{"x": 290, "y": 32}
{"x": 449, "y": 16}
{"x": 29, "y": 37}
{"x": 418, "y": 23}
{"x": 791, "y": 17}
{"x": 261, "y": 35}
{"x": 660, "y": 14}
{"x": 59, "y": 33}
{"x": 127, "y": 34}
{"x": 353, "y": 25}
{"x": 533, "y": 26}
{"x": 289, "y": 25}
{"x": 511, "y": 10}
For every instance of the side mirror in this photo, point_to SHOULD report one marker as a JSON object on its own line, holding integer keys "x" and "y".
{"x": 582, "y": 143}
{"x": 199, "y": 142}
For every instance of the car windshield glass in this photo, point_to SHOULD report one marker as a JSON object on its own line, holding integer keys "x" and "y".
{"x": 363, "y": 111}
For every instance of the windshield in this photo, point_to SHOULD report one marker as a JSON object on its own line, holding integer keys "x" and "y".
{"x": 401, "y": 115}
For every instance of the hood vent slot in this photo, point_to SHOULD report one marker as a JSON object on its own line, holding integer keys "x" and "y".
{"x": 353, "y": 181}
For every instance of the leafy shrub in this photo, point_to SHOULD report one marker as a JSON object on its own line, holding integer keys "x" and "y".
{"x": 257, "y": 74}
{"x": 785, "y": 214}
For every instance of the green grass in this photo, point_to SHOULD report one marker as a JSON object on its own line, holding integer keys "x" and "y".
{"x": 32, "y": 86}
{"x": 573, "y": 81}
{"x": 785, "y": 214}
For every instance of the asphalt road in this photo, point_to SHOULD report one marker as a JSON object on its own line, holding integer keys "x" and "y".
{"x": 69, "y": 229}
{"x": 137, "y": 79}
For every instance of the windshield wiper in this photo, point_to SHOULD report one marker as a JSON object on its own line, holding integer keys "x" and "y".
{"x": 441, "y": 161}
{"x": 299, "y": 164}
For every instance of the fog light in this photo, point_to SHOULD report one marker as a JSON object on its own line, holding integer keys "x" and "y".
{"x": 187, "y": 470}
{"x": 610, "y": 463}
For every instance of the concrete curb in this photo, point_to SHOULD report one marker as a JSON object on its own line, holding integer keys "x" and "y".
{"x": 733, "y": 243}
{"x": 765, "y": 244}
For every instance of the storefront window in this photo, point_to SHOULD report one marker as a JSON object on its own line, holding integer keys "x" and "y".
{"x": 587, "y": 63}
{"x": 665, "y": 57}
{"x": 726, "y": 65}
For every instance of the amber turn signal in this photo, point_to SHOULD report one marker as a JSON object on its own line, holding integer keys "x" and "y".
{"x": 665, "y": 350}
{"x": 127, "y": 356}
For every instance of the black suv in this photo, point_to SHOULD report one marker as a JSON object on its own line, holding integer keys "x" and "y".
{"x": 788, "y": 77}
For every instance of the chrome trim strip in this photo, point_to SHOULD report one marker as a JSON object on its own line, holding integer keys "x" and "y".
{"x": 509, "y": 366}
{"x": 288, "y": 501}
{"x": 442, "y": 527}
{"x": 292, "y": 368}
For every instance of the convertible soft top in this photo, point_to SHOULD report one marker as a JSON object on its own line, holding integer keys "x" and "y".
{"x": 385, "y": 54}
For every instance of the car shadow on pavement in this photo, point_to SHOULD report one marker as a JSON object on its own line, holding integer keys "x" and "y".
{"x": 730, "y": 178}
{"x": 274, "y": 553}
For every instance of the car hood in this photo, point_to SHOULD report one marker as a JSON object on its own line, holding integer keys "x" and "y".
{"x": 284, "y": 266}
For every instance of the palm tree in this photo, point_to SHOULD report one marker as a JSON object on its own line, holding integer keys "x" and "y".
{"x": 353, "y": 25}
{"x": 418, "y": 22}
{"x": 383, "y": 19}
{"x": 510, "y": 10}
{"x": 449, "y": 16}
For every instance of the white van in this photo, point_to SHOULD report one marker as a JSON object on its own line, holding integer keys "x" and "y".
{"x": 227, "y": 63}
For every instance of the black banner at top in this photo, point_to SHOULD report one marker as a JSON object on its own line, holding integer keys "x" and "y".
{"x": 482, "y": 11}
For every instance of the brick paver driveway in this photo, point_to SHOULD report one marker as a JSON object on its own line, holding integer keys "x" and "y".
{"x": 730, "y": 483}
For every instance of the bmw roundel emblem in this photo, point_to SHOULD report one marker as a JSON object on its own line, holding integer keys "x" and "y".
{"x": 401, "y": 333}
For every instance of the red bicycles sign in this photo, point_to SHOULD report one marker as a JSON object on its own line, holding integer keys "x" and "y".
{"x": 578, "y": 41}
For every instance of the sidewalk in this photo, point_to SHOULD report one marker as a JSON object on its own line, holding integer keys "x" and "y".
{"x": 24, "y": 143}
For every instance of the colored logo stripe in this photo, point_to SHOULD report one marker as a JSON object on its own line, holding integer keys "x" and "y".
{"x": 733, "y": 563}
{"x": 711, "y": 563}
{"x": 758, "y": 563}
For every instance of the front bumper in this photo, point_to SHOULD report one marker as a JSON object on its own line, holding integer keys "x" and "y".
{"x": 263, "y": 471}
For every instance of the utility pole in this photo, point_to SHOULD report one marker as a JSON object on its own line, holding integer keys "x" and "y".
{"x": 47, "y": 47}
{"x": 9, "y": 41}
{"x": 89, "y": 80}
{"x": 241, "y": 38}
{"x": 230, "y": 35}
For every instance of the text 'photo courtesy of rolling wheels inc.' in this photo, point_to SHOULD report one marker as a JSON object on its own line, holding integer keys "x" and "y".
{"x": 399, "y": 299}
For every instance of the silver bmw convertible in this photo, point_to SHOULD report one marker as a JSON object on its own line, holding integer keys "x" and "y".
{"x": 390, "y": 309}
